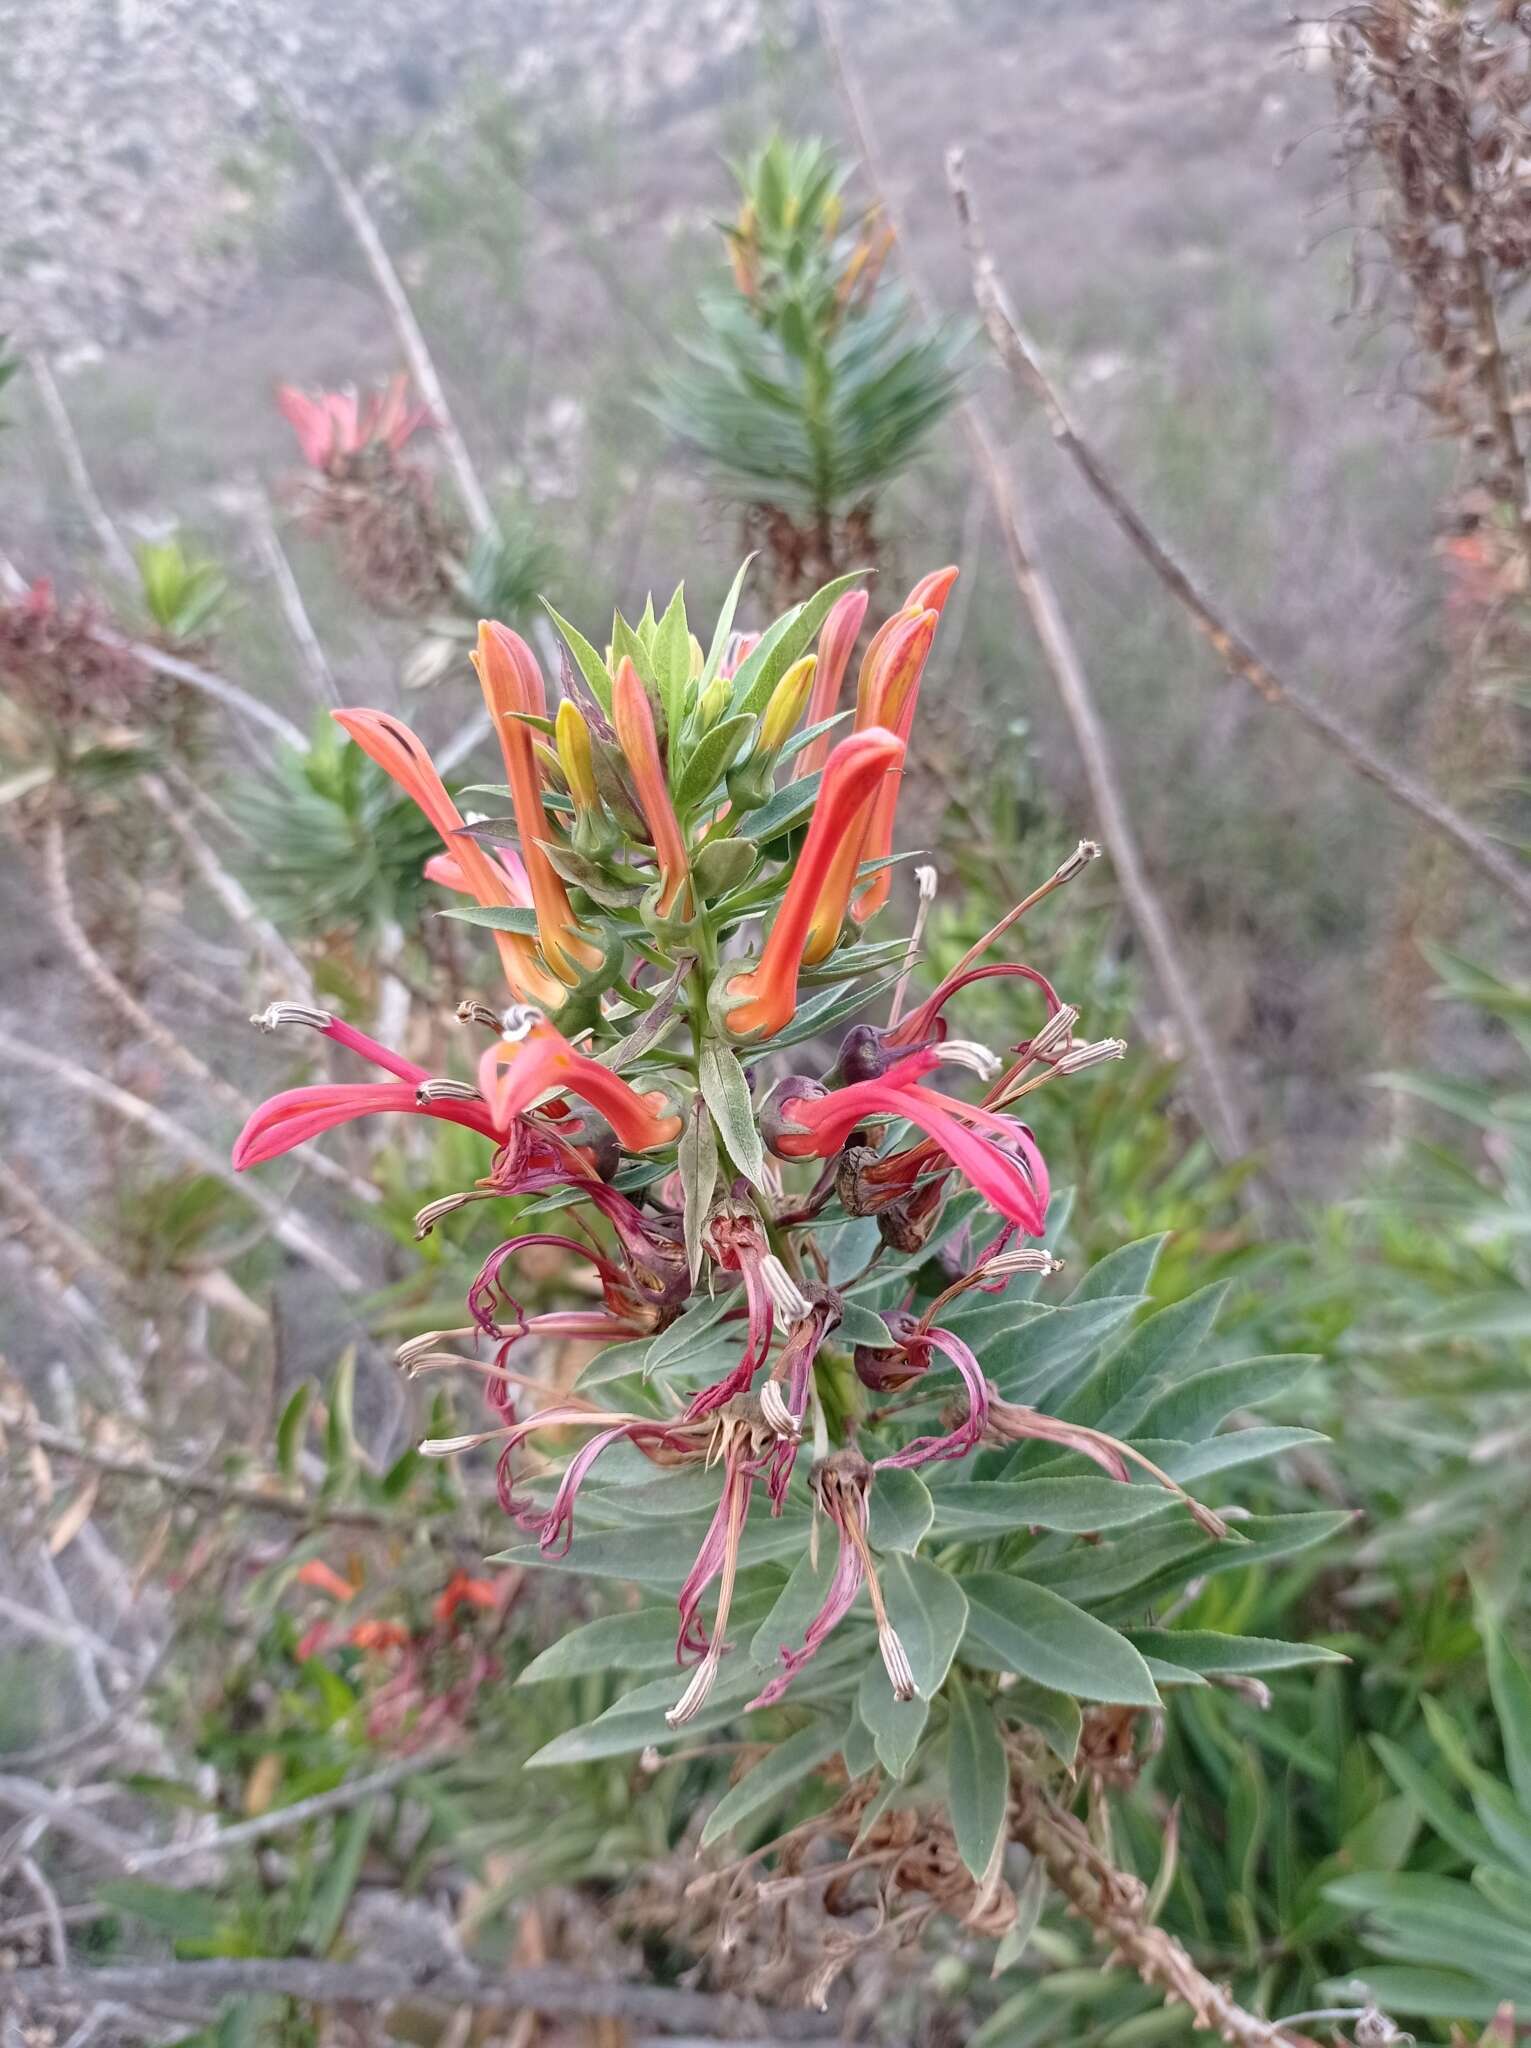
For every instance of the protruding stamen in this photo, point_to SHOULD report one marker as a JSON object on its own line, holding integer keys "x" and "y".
{"x": 787, "y": 1298}
{"x": 1079, "y": 1057}
{"x": 470, "y": 1012}
{"x": 967, "y": 1052}
{"x": 427, "y": 1218}
{"x": 1055, "y": 1036}
{"x": 450, "y": 1446}
{"x": 277, "y": 1014}
{"x": 446, "y": 1091}
{"x": 408, "y": 1355}
{"x": 1031, "y": 1260}
{"x": 1086, "y": 851}
{"x": 777, "y": 1415}
{"x": 518, "y": 1022}
{"x": 927, "y": 880}
{"x": 694, "y": 1698}
{"x": 895, "y": 1662}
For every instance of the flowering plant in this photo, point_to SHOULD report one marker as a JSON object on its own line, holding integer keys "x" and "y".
{"x": 833, "y": 1432}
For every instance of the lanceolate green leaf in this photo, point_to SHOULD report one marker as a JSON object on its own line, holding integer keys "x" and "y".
{"x": 725, "y": 625}
{"x": 1207, "y": 1650}
{"x": 696, "y": 1160}
{"x": 1510, "y": 1683}
{"x": 1195, "y": 1408}
{"x": 1041, "y": 1636}
{"x": 727, "y": 1095}
{"x": 783, "y": 1771}
{"x": 1127, "y": 1270}
{"x": 590, "y": 664}
{"x": 497, "y": 917}
{"x": 1153, "y": 1359}
{"x": 976, "y": 1509}
{"x": 978, "y": 1777}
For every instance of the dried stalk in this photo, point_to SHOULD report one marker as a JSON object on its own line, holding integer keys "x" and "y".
{"x": 231, "y": 695}
{"x": 268, "y": 543}
{"x": 198, "y": 1486}
{"x": 1114, "y": 1905}
{"x": 1222, "y": 1112}
{"x": 280, "y": 1818}
{"x": 108, "y": 538}
{"x": 1018, "y": 353}
{"x": 411, "y": 338}
{"x": 561, "y": 1993}
{"x": 287, "y": 1226}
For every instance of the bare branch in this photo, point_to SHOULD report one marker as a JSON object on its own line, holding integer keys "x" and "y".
{"x": 1114, "y": 1905}
{"x": 269, "y": 544}
{"x": 1019, "y": 355}
{"x": 280, "y": 1818}
{"x": 411, "y": 338}
{"x": 1222, "y": 1112}
{"x": 565, "y": 1993}
{"x": 231, "y": 695}
{"x": 285, "y": 1224}
{"x": 108, "y": 538}
{"x": 203, "y": 1486}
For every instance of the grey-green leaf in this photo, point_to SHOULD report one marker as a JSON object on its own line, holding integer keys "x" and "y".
{"x": 978, "y": 1777}
{"x": 779, "y": 1773}
{"x": 727, "y": 1095}
{"x": 1040, "y": 1635}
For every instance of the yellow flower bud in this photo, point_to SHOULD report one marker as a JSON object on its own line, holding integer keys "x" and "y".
{"x": 698, "y": 659}
{"x": 786, "y": 704}
{"x": 714, "y": 701}
{"x": 574, "y": 755}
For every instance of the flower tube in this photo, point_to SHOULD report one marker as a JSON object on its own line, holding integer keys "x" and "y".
{"x": 763, "y": 999}
{"x": 512, "y": 684}
{"x": 634, "y": 721}
{"x": 837, "y": 640}
{"x": 538, "y": 1060}
{"x": 400, "y": 754}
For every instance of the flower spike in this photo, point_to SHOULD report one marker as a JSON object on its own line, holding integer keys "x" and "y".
{"x": 762, "y": 1000}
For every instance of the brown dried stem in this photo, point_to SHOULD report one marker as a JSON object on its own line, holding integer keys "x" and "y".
{"x": 565, "y": 1993}
{"x": 1114, "y": 1905}
{"x": 1019, "y": 355}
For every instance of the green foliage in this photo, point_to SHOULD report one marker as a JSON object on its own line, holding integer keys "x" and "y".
{"x": 183, "y": 592}
{"x": 810, "y": 384}
{"x": 335, "y": 847}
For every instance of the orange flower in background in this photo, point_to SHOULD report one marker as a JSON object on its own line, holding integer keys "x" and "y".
{"x": 513, "y": 686}
{"x": 402, "y": 755}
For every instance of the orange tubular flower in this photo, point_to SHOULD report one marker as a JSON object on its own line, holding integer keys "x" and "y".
{"x": 837, "y": 639}
{"x": 541, "y": 1061}
{"x": 512, "y": 684}
{"x": 894, "y": 689}
{"x": 634, "y": 721}
{"x": 400, "y": 754}
{"x": 764, "y": 999}
{"x": 895, "y": 679}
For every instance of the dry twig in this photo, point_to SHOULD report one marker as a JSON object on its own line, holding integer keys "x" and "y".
{"x": 1019, "y": 355}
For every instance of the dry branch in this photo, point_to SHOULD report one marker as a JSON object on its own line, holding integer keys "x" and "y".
{"x": 1222, "y": 1111}
{"x": 1019, "y": 355}
{"x": 411, "y": 337}
{"x": 563, "y": 1993}
{"x": 109, "y": 539}
{"x": 203, "y": 1486}
{"x": 285, "y": 1224}
{"x": 268, "y": 544}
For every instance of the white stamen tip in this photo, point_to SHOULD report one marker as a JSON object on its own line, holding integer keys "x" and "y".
{"x": 449, "y": 1446}
{"x": 967, "y": 1052}
{"x": 470, "y": 1012}
{"x": 787, "y": 1298}
{"x": 427, "y": 1218}
{"x": 777, "y": 1415}
{"x": 437, "y": 1090}
{"x": 928, "y": 881}
{"x": 1086, "y": 851}
{"x": 1028, "y": 1261}
{"x": 417, "y": 1347}
{"x": 277, "y": 1014}
{"x": 694, "y": 1698}
{"x": 896, "y": 1663}
{"x": 518, "y": 1022}
{"x": 1056, "y": 1033}
{"x": 1079, "y": 1057}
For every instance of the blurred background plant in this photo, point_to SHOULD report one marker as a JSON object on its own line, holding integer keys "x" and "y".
{"x": 812, "y": 384}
